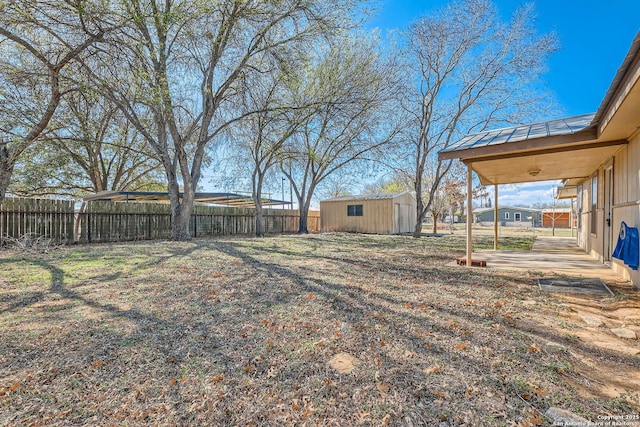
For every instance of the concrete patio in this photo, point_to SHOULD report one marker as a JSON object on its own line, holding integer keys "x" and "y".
{"x": 558, "y": 255}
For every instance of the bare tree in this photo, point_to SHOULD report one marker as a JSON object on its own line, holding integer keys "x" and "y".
{"x": 349, "y": 89}
{"x": 93, "y": 148}
{"x": 271, "y": 119}
{"x": 473, "y": 72}
{"x": 39, "y": 42}
{"x": 183, "y": 62}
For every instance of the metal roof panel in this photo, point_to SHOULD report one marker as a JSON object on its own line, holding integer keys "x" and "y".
{"x": 565, "y": 126}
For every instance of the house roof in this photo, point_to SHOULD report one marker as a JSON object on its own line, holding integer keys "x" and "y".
{"x": 483, "y": 210}
{"x": 570, "y": 148}
{"x": 367, "y": 197}
{"x": 225, "y": 199}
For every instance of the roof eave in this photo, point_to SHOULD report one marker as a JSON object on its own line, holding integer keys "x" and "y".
{"x": 548, "y": 142}
{"x": 618, "y": 81}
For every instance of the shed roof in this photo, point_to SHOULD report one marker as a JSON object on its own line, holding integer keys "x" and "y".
{"x": 367, "y": 197}
{"x": 225, "y": 199}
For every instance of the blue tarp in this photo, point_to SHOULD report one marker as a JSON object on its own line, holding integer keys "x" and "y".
{"x": 628, "y": 246}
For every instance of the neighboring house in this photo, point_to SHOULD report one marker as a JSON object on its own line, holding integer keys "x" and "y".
{"x": 558, "y": 218}
{"x": 508, "y": 216}
{"x": 598, "y": 154}
{"x": 375, "y": 214}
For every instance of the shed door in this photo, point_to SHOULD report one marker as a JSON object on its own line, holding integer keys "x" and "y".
{"x": 396, "y": 218}
{"x": 405, "y": 219}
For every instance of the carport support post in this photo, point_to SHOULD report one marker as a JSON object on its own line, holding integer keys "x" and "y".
{"x": 469, "y": 210}
{"x": 495, "y": 218}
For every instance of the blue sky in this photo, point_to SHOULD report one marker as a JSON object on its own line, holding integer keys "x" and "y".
{"x": 594, "y": 38}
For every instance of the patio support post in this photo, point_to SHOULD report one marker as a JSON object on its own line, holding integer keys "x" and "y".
{"x": 495, "y": 218}
{"x": 469, "y": 217}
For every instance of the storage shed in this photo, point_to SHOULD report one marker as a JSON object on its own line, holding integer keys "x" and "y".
{"x": 375, "y": 214}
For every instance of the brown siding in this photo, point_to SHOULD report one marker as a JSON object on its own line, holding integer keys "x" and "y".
{"x": 378, "y": 215}
{"x": 626, "y": 202}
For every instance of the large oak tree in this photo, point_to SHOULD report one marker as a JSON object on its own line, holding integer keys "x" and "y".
{"x": 472, "y": 71}
{"x": 40, "y": 42}
{"x": 183, "y": 62}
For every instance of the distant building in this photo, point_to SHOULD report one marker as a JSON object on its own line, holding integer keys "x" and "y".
{"x": 509, "y": 216}
{"x": 558, "y": 218}
{"x": 375, "y": 214}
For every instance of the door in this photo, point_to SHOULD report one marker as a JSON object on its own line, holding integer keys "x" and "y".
{"x": 608, "y": 213}
{"x": 396, "y": 218}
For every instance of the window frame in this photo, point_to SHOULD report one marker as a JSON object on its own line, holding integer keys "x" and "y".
{"x": 355, "y": 210}
{"x": 579, "y": 204}
{"x": 506, "y": 215}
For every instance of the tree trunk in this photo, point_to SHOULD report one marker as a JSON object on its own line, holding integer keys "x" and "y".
{"x": 259, "y": 230}
{"x": 180, "y": 217}
{"x": 181, "y": 209}
{"x": 417, "y": 231}
{"x": 451, "y": 218}
{"x": 257, "y": 200}
{"x": 303, "y": 227}
{"x": 6, "y": 170}
{"x": 435, "y": 222}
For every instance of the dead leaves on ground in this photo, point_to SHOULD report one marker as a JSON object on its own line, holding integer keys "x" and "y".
{"x": 433, "y": 369}
{"x": 12, "y": 387}
{"x": 251, "y": 335}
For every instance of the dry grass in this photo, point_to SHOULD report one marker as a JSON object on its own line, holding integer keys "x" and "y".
{"x": 240, "y": 331}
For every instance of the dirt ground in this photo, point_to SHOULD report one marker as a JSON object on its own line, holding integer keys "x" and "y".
{"x": 316, "y": 330}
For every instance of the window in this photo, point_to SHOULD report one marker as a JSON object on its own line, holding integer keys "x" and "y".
{"x": 354, "y": 210}
{"x": 506, "y": 215}
{"x": 594, "y": 204}
{"x": 579, "y": 207}
{"x": 518, "y": 216}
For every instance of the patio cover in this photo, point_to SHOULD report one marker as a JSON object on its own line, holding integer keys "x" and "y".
{"x": 558, "y": 149}
{"x": 224, "y": 199}
{"x": 568, "y": 149}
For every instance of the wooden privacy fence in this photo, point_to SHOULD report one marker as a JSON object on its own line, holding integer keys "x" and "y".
{"x": 103, "y": 221}
{"x": 43, "y": 218}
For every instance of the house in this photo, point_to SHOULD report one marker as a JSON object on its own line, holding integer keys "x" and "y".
{"x": 597, "y": 154}
{"x": 508, "y": 216}
{"x": 375, "y": 214}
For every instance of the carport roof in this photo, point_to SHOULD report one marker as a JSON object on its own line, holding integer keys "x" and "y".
{"x": 225, "y": 199}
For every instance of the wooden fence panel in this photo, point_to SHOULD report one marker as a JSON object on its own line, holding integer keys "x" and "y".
{"x": 104, "y": 221}
{"x": 36, "y": 218}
